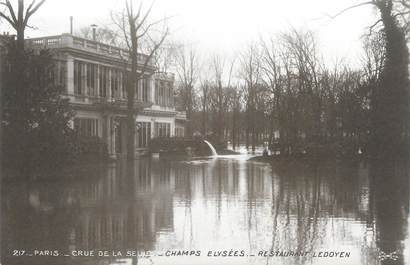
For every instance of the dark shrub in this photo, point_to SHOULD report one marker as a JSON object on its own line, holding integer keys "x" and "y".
{"x": 90, "y": 148}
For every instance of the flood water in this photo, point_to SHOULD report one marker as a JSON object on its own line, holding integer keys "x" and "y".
{"x": 224, "y": 210}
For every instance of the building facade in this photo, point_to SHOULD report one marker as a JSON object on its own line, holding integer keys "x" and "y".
{"x": 93, "y": 77}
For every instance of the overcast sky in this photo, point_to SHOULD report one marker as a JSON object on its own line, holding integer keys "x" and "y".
{"x": 225, "y": 26}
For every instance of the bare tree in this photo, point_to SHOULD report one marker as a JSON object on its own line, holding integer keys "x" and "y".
{"x": 374, "y": 56}
{"x": 251, "y": 74}
{"x": 164, "y": 59}
{"x": 272, "y": 77}
{"x": 236, "y": 109}
{"x": 140, "y": 35}
{"x": 18, "y": 17}
{"x": 301, "y": 47}
{"x": 390, "y": 100}
{"x": 187, "y": 68}
{"x": 222, "y": 75}
{"x": 19, "y": 20}
{"x": 205, "y": 87}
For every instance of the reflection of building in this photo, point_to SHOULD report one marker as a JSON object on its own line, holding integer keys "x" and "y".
{"x": 106, "y": 208}
{"x": 93, "y": 75}
{"x": 124, "y": 210}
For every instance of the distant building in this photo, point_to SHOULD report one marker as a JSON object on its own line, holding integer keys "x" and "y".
{"x": 92, "y": 74}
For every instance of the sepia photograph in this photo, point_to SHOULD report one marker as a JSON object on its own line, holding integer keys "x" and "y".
{"x": 204, "y": 132}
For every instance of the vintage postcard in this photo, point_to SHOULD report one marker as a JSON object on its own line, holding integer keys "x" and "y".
{"x": 213, "y": 132}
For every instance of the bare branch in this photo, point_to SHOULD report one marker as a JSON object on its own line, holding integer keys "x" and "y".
{"x": 404, "y": 3}
{"x": 13, "y": 19}
{"x": 350, "y": 8}
{"x": 148, "y": 27}
{"x": 230, "y": 72}
{"x": 31, "y": 10}
{"x": 120, "y": 22}
{"x": 401, "y": 14}
{"x": 32, "y": 27}
{"x": 373, "y": 26}
{"x": 8, "y": 20}
{"x": 142, "y": 22}
{"x": 29, "y": 7}
{"x": 138, "y": 12}
{"x": 155, "y": 48}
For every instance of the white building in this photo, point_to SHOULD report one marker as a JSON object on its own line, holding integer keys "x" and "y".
{"x": 92, "y": 75}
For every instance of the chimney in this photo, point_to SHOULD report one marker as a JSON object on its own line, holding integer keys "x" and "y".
{"x": 94, "y": 27}
{"x": 71, "y": 25}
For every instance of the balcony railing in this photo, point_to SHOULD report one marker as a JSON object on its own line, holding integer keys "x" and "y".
{"x": 165, "y": 76}
{"x": 181, "y": 115}
{"x": 70, "y": 41}
{"x": 114, "y": 102}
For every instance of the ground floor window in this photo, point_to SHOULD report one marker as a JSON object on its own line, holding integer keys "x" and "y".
{"x": 179, "y": 132}
{"x": 86, "y": 127}
{"x": 162, "y": 129}
{"x": 143, "y": 134}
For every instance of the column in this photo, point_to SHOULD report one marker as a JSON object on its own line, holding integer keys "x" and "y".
{"x": 85, "y": 71}
{"x": 97, "y": 82}
{"x": 109, "y": 83}
{"x": 70, "y": 75}
{"x": 172, "y": 128}
{"x": 123, "y": 139}
{"x": 120, "y": 84}
{"x": 111, "y": 136}
{"x": 151, "y": 83}
{"x": 152, "y": 128}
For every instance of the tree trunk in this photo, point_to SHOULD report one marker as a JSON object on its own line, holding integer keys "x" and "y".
{"x": 132, "y": 84}
{"x": 247, "y": 129}
{"x": 233, "y": 129}
{"x": 20, "y": 25}
{"x": 131, "y": 118}
{"x": 390, "y": 99}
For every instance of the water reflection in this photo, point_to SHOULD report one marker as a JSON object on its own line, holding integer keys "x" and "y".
{"x": 389, "y": 207}
{"x": 265, "y": 210}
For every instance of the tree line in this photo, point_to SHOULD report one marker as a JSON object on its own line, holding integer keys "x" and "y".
{"x": 281, "y": 92}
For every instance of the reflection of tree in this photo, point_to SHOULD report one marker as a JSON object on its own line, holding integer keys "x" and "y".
{"x": 254, "y": 192}
{"x": 188, "y": 207}
{"x": 305, "y": 197}
{"x": 389, "y": 190}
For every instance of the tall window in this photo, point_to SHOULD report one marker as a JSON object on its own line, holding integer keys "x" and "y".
{"x": 171, "y": 95}
{"x": 166, "y": 90}
{"x": 161, "y": 94}
{"x": 143, "y": 134}
{"x": 103, "y": 78}
{"x": 179, "y": 131}
{"x": 156, "y": 97}
{"x": 115, "y": 79}
{"x": 86, "y": 127}
{"x": 58, "y": 74}
{"x": 164, "y": 93}
{"x": 124, "y": 84}
{"x": 145, "y": 89}
{"x": 78, "y": 78}
{"x": 137, "y": 88}
{"x": 162, "y": 129}
{"x": 91, "y": 78}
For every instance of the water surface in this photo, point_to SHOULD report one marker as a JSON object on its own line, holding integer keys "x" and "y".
{"x": 207, "y": 206}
